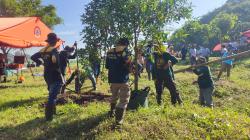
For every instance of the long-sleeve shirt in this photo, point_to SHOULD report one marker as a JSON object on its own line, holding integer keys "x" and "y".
{"x": 161, "y": 60}
{"x": 64, "y": 60}
{"x": 204, "y": 77}
{"x": 51, "y": 62}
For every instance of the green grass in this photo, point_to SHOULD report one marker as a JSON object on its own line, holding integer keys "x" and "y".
{"x": 22, "y": 115}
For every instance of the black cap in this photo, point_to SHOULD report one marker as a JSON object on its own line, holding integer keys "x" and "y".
{"x": 52, "y": 39}
{"x": 123, "y": 41}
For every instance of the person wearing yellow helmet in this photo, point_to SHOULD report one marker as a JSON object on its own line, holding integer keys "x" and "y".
{"x": 163, "y": 75}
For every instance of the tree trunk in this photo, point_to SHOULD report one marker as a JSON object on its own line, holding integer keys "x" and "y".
{"x": 5, "y": 51}
{"x": 136, "y": 63}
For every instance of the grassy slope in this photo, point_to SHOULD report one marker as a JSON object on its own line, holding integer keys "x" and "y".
{"x": 21, "y": 116}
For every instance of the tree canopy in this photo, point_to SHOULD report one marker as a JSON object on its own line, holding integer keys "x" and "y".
{"x": 20, "y": 8}
{"x": 17, "y": 8}
{"x": 221, "y": 25}
{"x": 107, "y": 20}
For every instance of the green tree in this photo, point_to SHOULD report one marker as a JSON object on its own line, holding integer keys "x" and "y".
{"x": 194, "y": 32}
{"x": 225, "y": 22}
{"x": 107, "y": 20}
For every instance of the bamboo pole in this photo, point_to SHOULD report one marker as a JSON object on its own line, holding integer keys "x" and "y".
{"x": 239, "y": 55}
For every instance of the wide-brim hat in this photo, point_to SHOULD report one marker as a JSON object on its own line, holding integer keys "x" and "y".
{"x": 51, "y": 37}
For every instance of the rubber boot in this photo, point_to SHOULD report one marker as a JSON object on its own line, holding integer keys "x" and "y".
{"x": 112, "y": 110}
{"x": 54, "y": 109}
{"x": 119, "y": 115}
{"x": 49, "y": 112}
{"x": 159, "y": 99}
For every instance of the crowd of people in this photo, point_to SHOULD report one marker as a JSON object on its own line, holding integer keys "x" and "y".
{"x": 157, "y": 59}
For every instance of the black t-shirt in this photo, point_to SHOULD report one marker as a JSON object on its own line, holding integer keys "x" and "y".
{"x": 64, "y": 60}
{"x": 51, "y": 62}
{"x": 161, "y": 59}
{"x": 204, "y": 77}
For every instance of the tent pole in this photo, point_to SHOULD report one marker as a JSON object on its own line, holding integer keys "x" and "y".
{"x": 28, "y": 64}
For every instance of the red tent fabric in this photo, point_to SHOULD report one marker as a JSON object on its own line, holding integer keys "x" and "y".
{"x": 217, "y": 48}
{"x": 23, "y": 32}
{"x": 246, "y": 33}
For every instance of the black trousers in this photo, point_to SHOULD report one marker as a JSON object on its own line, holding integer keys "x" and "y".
{"x": 170, "y": 84}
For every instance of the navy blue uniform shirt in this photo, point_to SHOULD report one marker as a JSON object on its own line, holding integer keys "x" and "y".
{"x": 204, "y": 77}
{"x": 118, "y": 70}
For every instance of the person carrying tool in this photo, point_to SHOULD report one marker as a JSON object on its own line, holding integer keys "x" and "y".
{"x": 163, "y": 75}
{"x": 64, "y": 56}
{"x": 52, "y": 72}
{"x": 118, "y": 65}
{"x": 205, "y": 83}
{"x": 226, "y": 65}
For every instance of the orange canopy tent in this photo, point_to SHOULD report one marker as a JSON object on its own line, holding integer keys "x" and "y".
{"x": 23, "y": 32}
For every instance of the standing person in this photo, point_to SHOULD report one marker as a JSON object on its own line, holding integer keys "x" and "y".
{"x": 64, "y": 57}
{"x": 118, "y": 63}
{"x": 149, "y": 65}
{"x": 204, "y": 52}
{"x": 193, "y": 54}
{"x": 205, "y": 83}
{"x": 2, "y": 67}
{"x": 149, "y": 61}
{"x": 223, "y": 49}
{"x": 163, "y": 76}
{"x": 95, "y": 61}
{"x": 52, "y": 72}
{"x": 184, "y": 53}
{"x": 140, "y": 62}
{"x": 170, "y": 50}
{"x": 207, "y": 54}
{"x": 226, "y": 65}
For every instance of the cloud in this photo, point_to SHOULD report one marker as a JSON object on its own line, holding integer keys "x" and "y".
{"x": 67, "y": 33}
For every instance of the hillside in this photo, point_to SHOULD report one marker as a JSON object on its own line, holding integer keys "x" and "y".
{"x": 238, "y": 7}
{"x": 21, "y": 112}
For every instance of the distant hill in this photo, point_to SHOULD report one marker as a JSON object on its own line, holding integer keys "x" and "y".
{"x": 239, "y": 7}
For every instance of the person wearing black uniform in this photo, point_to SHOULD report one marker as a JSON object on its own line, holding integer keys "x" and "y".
{"x": 163, "y": 75}
{"x": 118, "y": 64}
{"x": 52, "y": 72}
{"x": 64, "y": 57}
{"x": 205, "y": 82}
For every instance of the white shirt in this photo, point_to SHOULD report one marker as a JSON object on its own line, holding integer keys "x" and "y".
{"x": 193, "y": 52}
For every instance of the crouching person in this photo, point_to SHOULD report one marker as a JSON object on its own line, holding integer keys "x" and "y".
{"x": 52, "y": 73}
{"x": 205, "y": 83}
{"x": 83, "y": 75}
{"x": 117, "y": 63}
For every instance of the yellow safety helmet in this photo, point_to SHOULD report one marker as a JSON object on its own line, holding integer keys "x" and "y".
{"x": 160, "y": 48}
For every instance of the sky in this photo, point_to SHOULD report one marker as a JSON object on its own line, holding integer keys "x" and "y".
{"x": 71, "y": 10}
